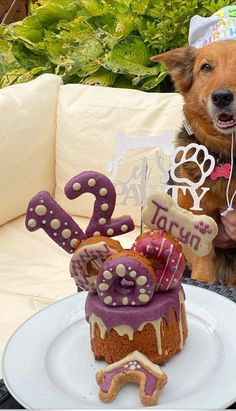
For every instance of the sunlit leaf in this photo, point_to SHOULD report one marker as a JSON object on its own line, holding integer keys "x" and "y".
{"x": 101, "y": 78}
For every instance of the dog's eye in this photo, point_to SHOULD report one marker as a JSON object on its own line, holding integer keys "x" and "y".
{"x": 206, "y": 67}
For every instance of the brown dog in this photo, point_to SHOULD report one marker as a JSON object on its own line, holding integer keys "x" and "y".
{"x": 206, "y": 79}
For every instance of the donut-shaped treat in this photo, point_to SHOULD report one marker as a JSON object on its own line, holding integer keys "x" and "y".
{"x": 165, "y": 255}
{"x": 88, "y": 258}
{"x": 126, "y": 278}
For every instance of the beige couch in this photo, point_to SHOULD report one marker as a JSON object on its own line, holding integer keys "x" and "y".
{"x": 49, "y": 133}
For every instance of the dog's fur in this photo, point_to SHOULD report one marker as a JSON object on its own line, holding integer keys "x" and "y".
{"x": 197, "y": 74}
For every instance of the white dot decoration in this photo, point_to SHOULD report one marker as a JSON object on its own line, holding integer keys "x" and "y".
{"x": 32, "y": 223}
{"x": 107, "y": 275}
{"x": 142, "y": 290}
{"x": 44, "y": 222}
{"x": 40, "y": 210}
{"x": 144, "y": 298}
{"x": 91, "y": 182}
{"x": 133, "y": 274}
{"x": 124, "y": 228}
{"x": 31, "y": 209}
{"x": 104, "y": 207}
{"x": 55, "y": 224}
{"x": 102, "y": 221}
{"x": 74, "y": 242}
{"x": 125, "y": 301}
{"x": 133, "y": 303}
{"x": 108, "y": 299}
{"x": 76, "y": 186}
{"x": 103, "y": 286}
{"x": 110, "y": 231}
{"x": 66, "y": 233}
{"x": 103, "y": 191}
{"x": 96, "y": 233}
{"x": 55, "y": 234}
{"x": 120, "y": 270}
{"x": 141, "y": 280}
{"x": 51, "y": 212}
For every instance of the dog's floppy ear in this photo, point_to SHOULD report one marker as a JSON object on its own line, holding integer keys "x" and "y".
{"x": 180, "y": 65}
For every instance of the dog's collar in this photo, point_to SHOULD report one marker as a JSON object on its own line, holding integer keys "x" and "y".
{"x": 188, "y": 127}
{"x": 219, "y": 160}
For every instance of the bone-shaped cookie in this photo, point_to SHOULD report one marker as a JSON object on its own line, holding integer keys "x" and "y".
{"x": 221, "y": 171}
{"x": 195, "y": 231}
{"x": 135, "y": 367}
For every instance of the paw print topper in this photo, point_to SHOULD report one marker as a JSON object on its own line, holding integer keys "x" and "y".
{"x": 192, "y": 153}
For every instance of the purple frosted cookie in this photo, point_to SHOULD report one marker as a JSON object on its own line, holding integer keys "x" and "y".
{"x": 101, "y": 187}
{"x": 44, "y": 212}
{"x": 135, "y": 367}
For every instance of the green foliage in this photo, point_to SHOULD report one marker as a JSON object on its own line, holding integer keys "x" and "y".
{"x": 104, "y": 42}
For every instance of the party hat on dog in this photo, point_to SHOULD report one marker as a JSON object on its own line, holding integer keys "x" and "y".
{"x": 220, "y": 26}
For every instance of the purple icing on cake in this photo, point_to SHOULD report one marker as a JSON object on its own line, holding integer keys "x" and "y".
{"x": 105, "y": 200}
{"x": 158, "y": 307}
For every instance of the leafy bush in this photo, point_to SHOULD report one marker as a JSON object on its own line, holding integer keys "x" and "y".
{"x": 105, "y": 42}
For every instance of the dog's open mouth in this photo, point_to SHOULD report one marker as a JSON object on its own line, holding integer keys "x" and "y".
{"x": 225, "y": 121}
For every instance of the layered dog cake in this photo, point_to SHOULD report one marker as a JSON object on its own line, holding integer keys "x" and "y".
{"x": 135, "y": 300}
{"x": 133, "y": 308}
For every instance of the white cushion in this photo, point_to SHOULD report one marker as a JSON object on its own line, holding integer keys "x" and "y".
{"x": 27, "y": 137}
{"x": 101, "y": 128}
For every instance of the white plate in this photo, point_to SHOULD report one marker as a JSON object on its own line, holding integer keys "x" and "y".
{"x": 48, "y": 362}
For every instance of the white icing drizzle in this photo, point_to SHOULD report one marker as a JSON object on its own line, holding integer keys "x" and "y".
{"x": 181, "y": 332}
{"x": 176, "y": 267}
{"x": 162, "y": 243}
{"x": 167, "y": 262}
{"x": 93, "y": 319}
{"x": 126, "y": 329}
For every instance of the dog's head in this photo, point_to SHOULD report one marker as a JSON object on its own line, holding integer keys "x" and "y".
{"x": 206, "y": 77}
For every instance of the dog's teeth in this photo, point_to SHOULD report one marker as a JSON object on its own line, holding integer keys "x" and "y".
{"x": 226, "y": 122}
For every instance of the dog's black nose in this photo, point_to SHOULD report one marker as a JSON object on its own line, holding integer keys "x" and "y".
{"x": 222, "y": 98}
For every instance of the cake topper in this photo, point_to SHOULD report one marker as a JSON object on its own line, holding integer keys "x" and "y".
{"x": 156, "y": 169}
{"x": 44, "y": 212}
{"x": 195, "y": 231}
